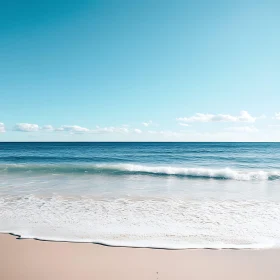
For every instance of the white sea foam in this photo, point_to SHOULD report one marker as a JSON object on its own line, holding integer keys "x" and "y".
{"x": 223, "y": 173}
{"x": 146, "y": 222}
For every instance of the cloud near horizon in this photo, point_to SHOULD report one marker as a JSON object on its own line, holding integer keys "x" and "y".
{"x": 200, "y": 117}
{"x": 2, "y": 128}
{"x": 242, "y": 118}
{"x": 26, "y": 127}
{"x": 97, "y": 130}
{"x": 111, "y": 129}
{"x": 74, "y": 129}
{"x": 48, "y": 128}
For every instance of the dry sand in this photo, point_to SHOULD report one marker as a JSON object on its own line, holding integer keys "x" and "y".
{"x": 40, "y": 260}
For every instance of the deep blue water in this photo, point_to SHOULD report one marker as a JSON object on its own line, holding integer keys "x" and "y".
{"x": 262, "y": 156}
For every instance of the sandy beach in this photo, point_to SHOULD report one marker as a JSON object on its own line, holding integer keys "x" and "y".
{"x": 33, "y": 259}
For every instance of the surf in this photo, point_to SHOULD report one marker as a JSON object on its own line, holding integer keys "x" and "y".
{"x": 137, "y": 169}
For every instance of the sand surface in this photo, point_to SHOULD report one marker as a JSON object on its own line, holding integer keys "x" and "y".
{"x": 23, "y": 259}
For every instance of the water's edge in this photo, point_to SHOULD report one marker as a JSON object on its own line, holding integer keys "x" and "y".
{"x": 19, "y": 237}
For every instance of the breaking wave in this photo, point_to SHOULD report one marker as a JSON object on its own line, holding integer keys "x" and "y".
{"x": 136, "y": 169}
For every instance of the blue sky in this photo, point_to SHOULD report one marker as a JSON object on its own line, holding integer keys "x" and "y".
{"x": 139, "y": 70}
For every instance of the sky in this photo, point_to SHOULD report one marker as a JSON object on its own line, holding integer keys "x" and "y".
{"x": 142, "y": 70}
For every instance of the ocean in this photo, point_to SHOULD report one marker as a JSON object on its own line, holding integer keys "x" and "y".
{"x": 159, "y": 195}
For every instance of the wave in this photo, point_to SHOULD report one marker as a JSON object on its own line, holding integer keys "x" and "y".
{"x": 134, "y": 169}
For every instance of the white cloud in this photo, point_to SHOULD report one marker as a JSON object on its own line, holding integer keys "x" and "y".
{"x": 73, "y": 129}
{"x": 136, "y": 130}
{"x": 147, "y": 123}
{"x": 199, "y": 117}
{"x": 48, "y": 128}
{"x": 2, "y": 128}
{"x": 26, "y": 127}
{"x": 97, "y": 130}
{"x": 110, "y": 129}
{"x": 277, "y": 116}
{"x": 247, "y": 129}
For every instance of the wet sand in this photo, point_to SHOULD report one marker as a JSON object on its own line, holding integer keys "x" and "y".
{"x": 25, "y": 259}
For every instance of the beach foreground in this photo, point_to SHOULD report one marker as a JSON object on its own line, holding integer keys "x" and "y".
{"x": 33, "y": 259}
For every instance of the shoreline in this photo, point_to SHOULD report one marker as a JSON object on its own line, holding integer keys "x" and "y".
{"x": 33, "y": 259}
{"x": 19, "y": 237}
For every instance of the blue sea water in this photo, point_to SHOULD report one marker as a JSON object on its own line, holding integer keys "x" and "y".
{"x": 164, "y": 195}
